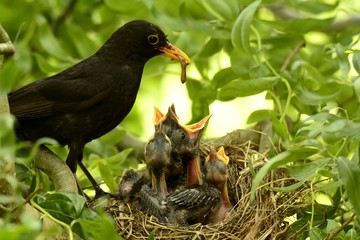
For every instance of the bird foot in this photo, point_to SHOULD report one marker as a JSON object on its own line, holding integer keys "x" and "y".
{"x": 101, "y": 193}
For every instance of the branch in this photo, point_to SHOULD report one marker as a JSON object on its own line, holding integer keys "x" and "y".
{"x": 285, "y": 12}
{"x": 4, "y": 105}
{"x": 6, "y": 47}
{"x": 237, "y": 137}
{"x": 334, "y": 233}
{"x": 129, "y": 140}
{"x": 292, "y": 55}
{"x": 56, "y": 169}
{"x": 7, "y": 165}
{"x": 61, "y": 18}
{"x": 341, "y": 26}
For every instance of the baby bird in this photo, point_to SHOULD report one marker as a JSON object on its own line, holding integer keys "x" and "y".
{"x": 157, "y": 157}
{"x": 216, "y": 175}
{"x": 205, "y": 203}
{"x": 130, "y": 185}
{"x": 185, "y": 140}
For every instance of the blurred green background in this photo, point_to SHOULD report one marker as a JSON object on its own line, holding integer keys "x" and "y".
{"x": 295, "y": 63}
{"x": 42, "y": 51}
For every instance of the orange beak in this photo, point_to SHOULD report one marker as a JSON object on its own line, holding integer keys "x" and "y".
{"x": 173, "y": 52}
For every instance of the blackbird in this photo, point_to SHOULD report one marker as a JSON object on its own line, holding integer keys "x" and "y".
{"x": 92, "y": 97}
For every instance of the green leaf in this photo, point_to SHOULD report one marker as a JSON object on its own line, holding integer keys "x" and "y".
{"x": 260, "y": 115}
{"x": 47, "y": 40}
{"x": 50, "y": 67}
{"x": 211, "y": 47}
{"x": 125, "y": 7}
{"x": 317, "y": 234}
{"x": 356, "y": 61}
{"x": 243, "y": 88}
{"x": 314, "y": 98}
{"x": 223, "y": 77}
{"x": 331, "y": 225}
{"x": 280, "y": 128}
{"x": 351, "y": 235}
{"x": 100, "y": 227}
{"x": 300, "y": 26}
{"x": 343, "y": 60}
{"x": 356, "y": 86}
{"x": 317, "y": 7}
{"x": 242, "y": 63}
{"x": 240, "y": 33}
{"x": 308, "y": 170}
{"x": 279, "y": 160}
{"x": 64, "y": 206}
{"x": 289, "y": 188}
{"x": 219, "y": 9}
{"x": 350, "y": 176}
{"x": 234, "y": 6}
{"x": 152, "y": 234}
{"x": 107, "y": 177}
{"x": 356, "y": 156}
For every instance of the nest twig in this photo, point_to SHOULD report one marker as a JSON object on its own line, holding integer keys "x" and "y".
{"x": 262, "y": 219}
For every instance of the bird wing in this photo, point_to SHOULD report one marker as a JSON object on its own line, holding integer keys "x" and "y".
{"x": 56, "y": 95}
{"x": 195, "y": 197}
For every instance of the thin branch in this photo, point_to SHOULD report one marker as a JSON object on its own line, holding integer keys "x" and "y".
{"x": 342, "y": 227}
{"x": 284, "y": 12}
{"x": 6, "y": 47}
{"x": 61, "y": 18}
{"x": 129, "y": 140}
{"x": 341, "y": 26}
{"x": 292, "y": 55}
{"x": 7, "y": 165}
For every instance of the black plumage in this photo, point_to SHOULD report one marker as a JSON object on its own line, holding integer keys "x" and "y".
{"x": 91, "y": 98}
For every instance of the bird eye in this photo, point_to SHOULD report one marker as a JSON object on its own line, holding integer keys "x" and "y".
{"x": 182, "y": 136}
{"x": 153, "y": 39}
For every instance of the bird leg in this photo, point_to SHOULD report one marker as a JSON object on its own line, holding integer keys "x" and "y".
{"x": 75, "y": 158}
{"x": 80, "y": 191}
{"x": 98, "y": 190}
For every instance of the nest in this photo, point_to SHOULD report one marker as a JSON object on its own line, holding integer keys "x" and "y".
{"x": 265, "y": 218}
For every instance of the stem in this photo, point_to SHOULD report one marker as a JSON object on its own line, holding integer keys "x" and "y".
{"x": 337, "y": 231}
{"x": 312, "y": 204}
{"x": 43, "y": 211}
{"x": 62, "y": 17}
{"x": 284, "y": 80}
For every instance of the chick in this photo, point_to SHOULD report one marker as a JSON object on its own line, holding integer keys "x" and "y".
{"x": 185, "y": 140}
{"x": 215, "y": 170}
{"x": 157, "y": 157}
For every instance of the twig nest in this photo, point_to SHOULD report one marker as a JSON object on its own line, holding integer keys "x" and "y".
{"x": 262, "y": 219}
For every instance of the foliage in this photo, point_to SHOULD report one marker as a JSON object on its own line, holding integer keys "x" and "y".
{"x": 303, "y": 54}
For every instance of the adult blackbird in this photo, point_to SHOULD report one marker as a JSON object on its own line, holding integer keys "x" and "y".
{"x": 92, "y": 97}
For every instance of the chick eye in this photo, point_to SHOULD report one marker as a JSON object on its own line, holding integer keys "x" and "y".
{"x": 153, "y": 39}
{"x": 182, "y": 136}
